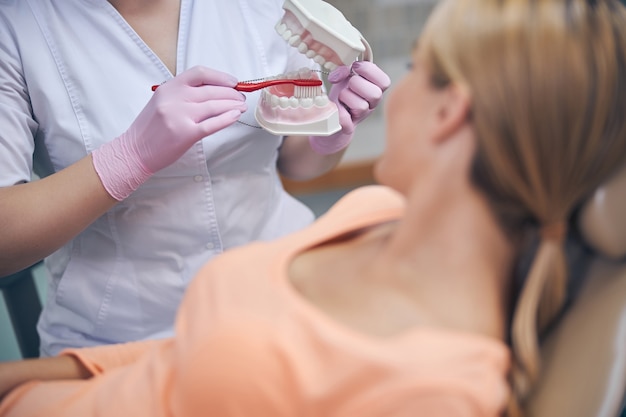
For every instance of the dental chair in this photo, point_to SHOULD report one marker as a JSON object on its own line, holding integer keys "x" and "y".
{"x": 23, "y": 307}
{"x": 584, "y": 355}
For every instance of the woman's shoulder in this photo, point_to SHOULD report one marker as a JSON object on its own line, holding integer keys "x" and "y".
{"x": 362, "y": 207}
{"x": 366, "y": 200}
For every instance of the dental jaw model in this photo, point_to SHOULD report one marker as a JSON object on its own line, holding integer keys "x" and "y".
{"x": 322, "y": 33}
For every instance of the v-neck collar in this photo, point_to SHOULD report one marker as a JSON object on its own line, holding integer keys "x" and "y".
{"x": 184, "y": 20}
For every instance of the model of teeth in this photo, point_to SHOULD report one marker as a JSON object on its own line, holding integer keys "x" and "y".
{"x": 322, "y": 33}
{"x": 292, "y": 110}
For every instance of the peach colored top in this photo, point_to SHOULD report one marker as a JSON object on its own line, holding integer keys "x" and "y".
{"x": 248, "y": 344}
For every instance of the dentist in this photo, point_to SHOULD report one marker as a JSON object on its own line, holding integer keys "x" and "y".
{"x": 138, "y": 189}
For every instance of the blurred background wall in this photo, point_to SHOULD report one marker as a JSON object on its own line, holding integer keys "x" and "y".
{"x": 389, "y": 25}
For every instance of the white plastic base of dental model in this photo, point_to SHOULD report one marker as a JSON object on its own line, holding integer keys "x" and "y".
{"x": 328, "y": 25}
{"x": 323, "y": 127}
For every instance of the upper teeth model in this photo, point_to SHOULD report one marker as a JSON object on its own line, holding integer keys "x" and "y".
{"x": 321, "y": 32}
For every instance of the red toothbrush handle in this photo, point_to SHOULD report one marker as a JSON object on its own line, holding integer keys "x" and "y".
{"x": 248, "y": 87}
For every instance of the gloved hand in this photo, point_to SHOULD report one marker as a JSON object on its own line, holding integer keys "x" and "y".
{"x": 356, "y": 90}
{"x": 196, "y": 103}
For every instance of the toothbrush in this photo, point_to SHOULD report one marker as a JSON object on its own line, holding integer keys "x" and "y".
{"x": 249, "y": 86}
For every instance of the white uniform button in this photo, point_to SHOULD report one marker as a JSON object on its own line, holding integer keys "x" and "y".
{"x": 198, "y": 178}
{"x": 210, "y": 245}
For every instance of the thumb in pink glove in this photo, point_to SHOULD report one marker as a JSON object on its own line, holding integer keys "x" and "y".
{"x": 196, "y": 103}
{"x": 356, "y": 90}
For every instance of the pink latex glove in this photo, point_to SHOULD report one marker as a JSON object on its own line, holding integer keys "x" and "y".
{"x": 356, "y": 90}
{"x": 196, "y": 103}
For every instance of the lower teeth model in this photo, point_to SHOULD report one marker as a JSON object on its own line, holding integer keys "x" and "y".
{"x": 322, "y": 33}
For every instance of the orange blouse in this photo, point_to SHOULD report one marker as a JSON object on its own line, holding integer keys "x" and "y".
{"x": 247, "y": 344}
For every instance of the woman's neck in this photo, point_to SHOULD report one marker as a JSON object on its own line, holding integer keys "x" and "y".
{"x": 451, "y": 255}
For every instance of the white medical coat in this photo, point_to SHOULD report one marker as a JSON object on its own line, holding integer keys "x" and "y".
{"x": 74, "y": 75}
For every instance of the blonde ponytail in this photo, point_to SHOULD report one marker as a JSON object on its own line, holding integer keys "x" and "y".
{"x": 540, "y": 301}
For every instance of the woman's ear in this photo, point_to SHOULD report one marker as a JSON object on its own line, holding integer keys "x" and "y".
{"x": 453, "y": 112}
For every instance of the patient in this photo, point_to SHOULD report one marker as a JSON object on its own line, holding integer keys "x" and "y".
{"x": 400, "y": 301}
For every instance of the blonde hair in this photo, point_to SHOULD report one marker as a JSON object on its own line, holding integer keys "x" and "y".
{"x": 547, "y": 80}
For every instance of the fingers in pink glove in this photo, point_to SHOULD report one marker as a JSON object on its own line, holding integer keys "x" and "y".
{"x": 354, "y": 102}
{"x": 218, "y": 122}
{"x": 365, "y": 69}
{"x": 356, "y": 90}
{"x": 372, "y": 73}
{"x": 212, "y": 106}
{"x": 200, "y": 75}
{"x": 167, "y": 128}
{"x": 190, "y": 106}
{"x": 364, "y": 90}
